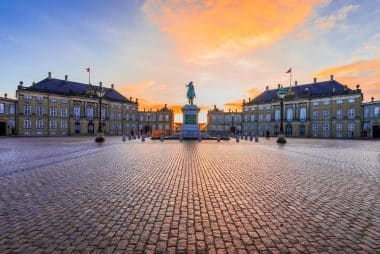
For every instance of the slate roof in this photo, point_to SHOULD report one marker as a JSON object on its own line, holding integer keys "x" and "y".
{"x": 70, "y": 88}
{"x": 312, "y": 90}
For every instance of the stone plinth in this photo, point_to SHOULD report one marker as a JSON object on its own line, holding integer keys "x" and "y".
{"x": 190, "y": 128}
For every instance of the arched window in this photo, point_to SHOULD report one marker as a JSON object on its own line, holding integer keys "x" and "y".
{"x": 277, "y": 115}
{"x": 90, "y": 113}
{"x": 103, "y": 113}
{"x": 303, "y": 114}
{"x": 289, "y": 114}
{"x": 76, "y": 112}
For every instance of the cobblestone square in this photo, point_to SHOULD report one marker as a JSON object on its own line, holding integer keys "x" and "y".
{"x": 72, "y": 195}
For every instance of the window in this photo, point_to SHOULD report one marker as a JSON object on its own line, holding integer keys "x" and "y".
{"x": 314, "y": 129}
{"x": 339, "y": 127}
{"x": 76, "y": 111}
{"x": 315, "y": 103}
{"x": 366, "y": 112}
{"x": 2, "y": 108}
{"x": 103, "y": 114}
{"x": 160, "y": 117}
{"x": 160, "y": 126}
{"x": 53, "y": 100}
{"x": 27, "y": 97}
{"x": 351, "y": 127}
{"x": 315, "y": 115}
{"x": 11, "y": 109}
{"x": 376, "y": 112}
{"x": 261, "y": 107}
{"x": 27, "y": 124}
{"x": 326, "y": 115}
{"x": 90, "y": 113}
{"x": 64, "y": 124}
{"x": 53, "y": 111}
{"x": 267, "y": 107}
{"x": 252, "y": 118}
{"x": 267, "y": 117}
{"x": 289, "y": 114}
{"x": 39, "y": 124}
{"x": 326, "y": 127}
{"x": 133, "y": 117}
{"x": 351, "y": 100}
{"x": 27, "y": 110}
{"x": 246, "y": 118}
{"x": 39, "y": 98}
{"x": 64, "y": 101}
{"x": 339, "y": 114}
{"x": 351, "y": 113}
{"x": 366, "y": 126}
{"x": 167, "y": 127}
{"x": 63, "y": 112}
{"x": 12, "y": 123}
{"x": 339, "y": 101}
{"x": 277, "y": 114}
{"x": 112, "y": 116}
{"x": 326, "y": 102}
{"x": 53, "y": 124}
{"x": 119, "y": 116}
{"x": 261, "y": 117}
{"x": 303, "y": 114}
{"x": 127, "y": 116}
{"x": 166, "y": 117}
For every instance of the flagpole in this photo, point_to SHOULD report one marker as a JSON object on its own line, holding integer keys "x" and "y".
{"x": 89, "y": 76}
{"x": 290, "y": 82}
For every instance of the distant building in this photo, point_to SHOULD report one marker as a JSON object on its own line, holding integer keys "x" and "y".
{"x": 371, "y": 119}
{"x": 223, "y": 123}
{"x": 325, "y": 109}
{"x": 159, "y": 122}
{"x": 55, "y": 107}
{"x": 7, "y": 116}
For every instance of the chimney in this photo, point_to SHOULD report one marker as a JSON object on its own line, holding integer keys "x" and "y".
{"x": 101, "y": 84}
{"x": 21, "y": 83}
{"x": 112, "y": 86}
{"x": 49, "y": 75}
{"x": 372, "y": 99}
{"x": 295, "y": 83}
{"x": 331, "y": 77}
{"x": 66, "y": 76}
{"x": 249, "y": 99}
{"x": 243, "y": 101}
{"x": 357, "y": 87}
{"x": 267, "y": 88}
{"x": 278, "y": 86}
{"x": 5, "y": 95}
{"x": 166, "y": 105}
{"x": 315, "y": 80}
{"x": 137, "y": 100}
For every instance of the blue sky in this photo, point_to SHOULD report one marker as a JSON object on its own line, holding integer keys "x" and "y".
{"x": 151, "y": 49}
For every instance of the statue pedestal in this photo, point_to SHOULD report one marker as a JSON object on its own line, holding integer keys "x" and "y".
{"x": 190, "y": 128}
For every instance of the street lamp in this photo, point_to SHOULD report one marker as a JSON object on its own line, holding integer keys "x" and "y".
{"x": 281, "y": 137}
{"x": 100, "y": 135}
{"x": 148, "y": 116}
{"x": 233, "y": 127}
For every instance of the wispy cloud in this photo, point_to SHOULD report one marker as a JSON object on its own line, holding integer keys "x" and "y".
{"x": 365, "y": 72}
{"x": 328, "y": 22}
{"x": 206, "y": 30}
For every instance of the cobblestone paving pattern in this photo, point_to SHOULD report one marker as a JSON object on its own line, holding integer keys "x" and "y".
{"x": 71, "y": 195}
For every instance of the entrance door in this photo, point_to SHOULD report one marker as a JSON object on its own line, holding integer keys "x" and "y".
{"x": 2, "y": 128}
{"x": 376, "y": 131}
{"x": 77, "y": 127}
{"x": 302, "y": 130}
{"x": 288, "y": 130}
{"x": 90, "y": 128}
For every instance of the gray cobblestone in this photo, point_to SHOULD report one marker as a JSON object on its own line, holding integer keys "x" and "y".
{"x": 71, "y": 195}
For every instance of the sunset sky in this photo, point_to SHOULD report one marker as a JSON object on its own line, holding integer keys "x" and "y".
{"x": 230, "y": 49}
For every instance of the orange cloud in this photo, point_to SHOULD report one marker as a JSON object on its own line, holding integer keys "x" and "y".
{"x": 217, "y": 28}
{"x": 365, "y": 72}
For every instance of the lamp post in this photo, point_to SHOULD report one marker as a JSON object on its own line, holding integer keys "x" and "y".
{"x": 233, "y": 127}
{"x": 281, "y": 137}
{"x": 148, "y": 116}
{"x": 100, "y": 135}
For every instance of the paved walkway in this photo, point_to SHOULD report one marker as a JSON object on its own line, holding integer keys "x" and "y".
{"x": 72, "y": 195}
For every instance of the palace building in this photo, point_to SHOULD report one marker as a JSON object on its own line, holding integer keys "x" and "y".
{"x": 371, "y": 119}
{"x": 157, "y": 123}
{"x": 56, "y": 107}
{"x": 224, "y": 123}
{"x": 325, "y": 109}
{"x": 7, "y": 116}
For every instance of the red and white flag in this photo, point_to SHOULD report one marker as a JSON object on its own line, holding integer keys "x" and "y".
{"x": 289, "y": 71}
